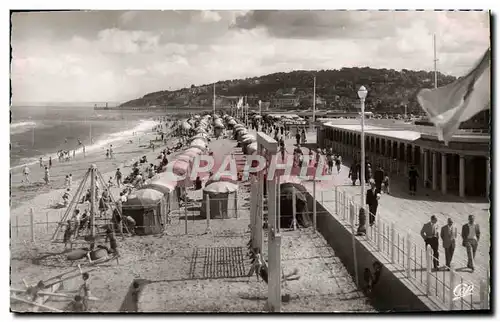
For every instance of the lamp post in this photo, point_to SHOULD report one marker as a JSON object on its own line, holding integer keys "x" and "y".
{"x": 314, "y": 105}
{"x": 362, "y": 92}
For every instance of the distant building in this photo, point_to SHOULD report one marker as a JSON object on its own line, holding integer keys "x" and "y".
{"x": 286, "y": 101}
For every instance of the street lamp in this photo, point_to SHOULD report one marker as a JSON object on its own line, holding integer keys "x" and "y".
{"x": 362, "y": 92}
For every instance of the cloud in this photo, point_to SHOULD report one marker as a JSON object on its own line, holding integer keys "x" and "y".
{"x": 125, "y": 55}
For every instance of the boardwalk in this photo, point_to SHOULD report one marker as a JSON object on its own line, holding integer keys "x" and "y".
{"x": 409, "y": 213}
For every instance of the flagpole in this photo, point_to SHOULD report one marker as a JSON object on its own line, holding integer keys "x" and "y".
{"x": 214, "y": 100}
{"x": 435, "y": 64}
{"x": 314, "y": 105}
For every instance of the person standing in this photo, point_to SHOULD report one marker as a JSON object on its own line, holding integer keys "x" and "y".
{"x": 40, "y": 161}
{"x": 26, "y": 173}
{"x": 353, "y": 172}
{"x": 379, "y": 177}
{"x": 430, "y": 234}
{"x": 297, "y": 138}
{"x": 111, "y": 151}
{"x": 304, "y": 139}
{"x": 372, "y": 198}
{"x": 50, "y": 162}
{"x": 470, "y": 240}
{"x": 70, "y": 180}
{"x": 118, "y": 176}
{"x": 448, "y": 236}
{"x": 47, "y": 175}
{"x": 412, "y": 175}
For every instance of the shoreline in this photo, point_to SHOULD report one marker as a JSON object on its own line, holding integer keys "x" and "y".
{"x": 142, "y": 126}
{"x": 125, "y": 153}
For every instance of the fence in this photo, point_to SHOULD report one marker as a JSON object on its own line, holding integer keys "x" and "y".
{"x": 397, "y": 247}
{"x": 400, "y": 250}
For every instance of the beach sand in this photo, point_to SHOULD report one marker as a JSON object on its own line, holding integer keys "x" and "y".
{"x": 168, "y": 267}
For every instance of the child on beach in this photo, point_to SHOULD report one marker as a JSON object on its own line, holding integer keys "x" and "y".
{"x": 26, "y": 173}
{"x": 110, "y": 182}
{"x": 66, "y": 181}
{"x": 50, "y": 162}
{"x": 70, "y": 180}
{"x": 107, "y": 153}
{"x": 41, "y": 162}
{"x": 47, "y": 175}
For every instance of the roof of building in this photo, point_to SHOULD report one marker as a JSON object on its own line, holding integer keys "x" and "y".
{"x": 407, "y": 134}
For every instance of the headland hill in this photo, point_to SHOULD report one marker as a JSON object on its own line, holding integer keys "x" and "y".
{"x": 389, "y": 91}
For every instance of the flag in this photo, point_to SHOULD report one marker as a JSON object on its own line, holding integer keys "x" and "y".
{"x": 240, "y": 103}
{"x": 450, "y": 105}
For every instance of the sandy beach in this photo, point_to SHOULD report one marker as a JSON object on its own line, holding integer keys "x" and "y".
{"x": 170, "y": 268}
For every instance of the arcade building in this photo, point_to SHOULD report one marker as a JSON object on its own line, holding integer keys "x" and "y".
{"x": 462, "y": 168}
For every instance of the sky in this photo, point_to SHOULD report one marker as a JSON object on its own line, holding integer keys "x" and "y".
{"x": 97, "y": 56}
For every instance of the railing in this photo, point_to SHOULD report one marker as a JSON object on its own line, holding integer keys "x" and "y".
{"x": 397, "y": 247}
{"x": 400, "y": 250}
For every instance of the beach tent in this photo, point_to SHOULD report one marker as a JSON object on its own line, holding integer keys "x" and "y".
{"x": 180, "y": 167}
{"x": 184, "y": 157}
{"x": 222, "y": 198}
{"x": 251, "y": 148}
{"x": 287, "y": 191}
{"x": 145, "y": 206}
{"x": 199, "y": 143}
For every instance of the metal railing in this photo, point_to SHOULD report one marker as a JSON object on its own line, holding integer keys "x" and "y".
{"x": 400, "y": 250}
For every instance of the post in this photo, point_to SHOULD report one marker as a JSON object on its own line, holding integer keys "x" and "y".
{"x": 393, "y": 243}
{"x": 379, "y": 232}
{"x": 344, "y": 205}
{"x": 482, "y": 294}
{"x": 92, "y": 201}
{"x": 428, "y": 257}
{"x": 32, "y": 224}
{"x": 336, "y": 201}
{"x": 353, "y": 232}
{"x": 207, "y": 208}
{"x": 408, "y": 255}
{"x": 461, "y": 180}
{"x": 444, "y": 176}
{"x": 235, "y": 204}
{"x": 314, "y": 109}
{"x": 294, "y": 210}
{"x": 314, "y": 202}
{"x": 426, "y": 167}
{"x": 185, "y": 219}
{"x": 278, "y": 203}
{"x": 362, "y": 161}
{"x": 488, "y": 176}
{"x": 451, "y": 290}
{"x": 434, "y": 171}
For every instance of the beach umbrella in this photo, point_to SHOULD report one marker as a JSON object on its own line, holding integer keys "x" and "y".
{"x": 251, "y": 148}
{"x": 191, "y": 153}
{"x": 194, "y": 150}
{"x": 143, "y": 198}
{"x": 199, "y": 143}
{"x": 164, "y": 187}
{"x": 185, "y": 126}
{"x": 219, "y": 126}
{"x": 184, "y": 157}
{"x": 257, "y": 117}
{"x": 248, "y": 140}
{"x": 238, "y": 126}
{"x": 232, "y": 122}
{"x": 180, "y": 167}
{"x": 221, "y": 187}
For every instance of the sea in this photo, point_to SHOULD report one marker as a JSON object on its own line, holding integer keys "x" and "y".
{"x": 41, "y": 131}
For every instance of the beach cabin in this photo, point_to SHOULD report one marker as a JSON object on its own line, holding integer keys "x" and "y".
{"x": 222, "y": 200}
{"x": 146, "y": 207}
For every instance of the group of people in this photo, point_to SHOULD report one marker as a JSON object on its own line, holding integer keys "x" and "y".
{"x": 471, "y": 234}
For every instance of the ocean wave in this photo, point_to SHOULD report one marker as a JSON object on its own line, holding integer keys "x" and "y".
{"x": 19, "y": 127}
{"x": 99, "y": 145}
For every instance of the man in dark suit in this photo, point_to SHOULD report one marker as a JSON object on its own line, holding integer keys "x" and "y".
{"x": 430, "y": 234}
{"x": 448, "y": 236}
{"x": 470, "y": 237}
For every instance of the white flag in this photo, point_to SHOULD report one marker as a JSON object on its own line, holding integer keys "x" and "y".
{"x": 450, "y": 105}
{"x": 240, "y": 103}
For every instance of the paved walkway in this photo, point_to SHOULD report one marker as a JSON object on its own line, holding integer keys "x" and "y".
{"x": 409, "y": 213}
